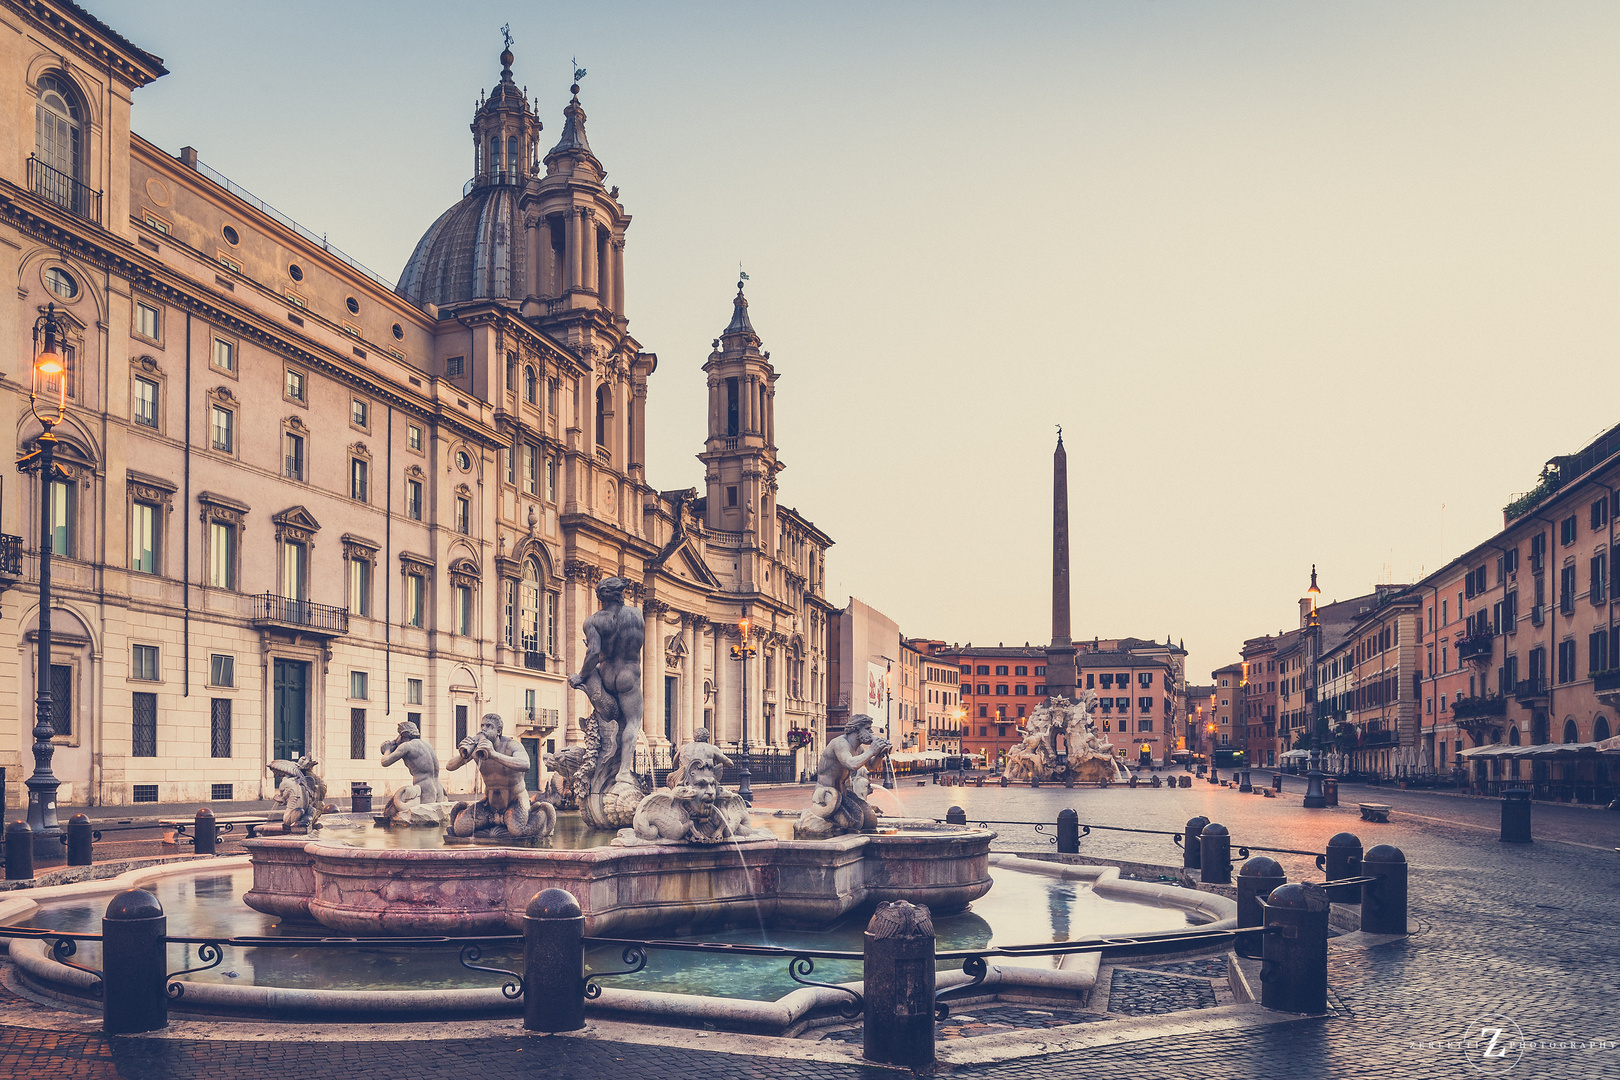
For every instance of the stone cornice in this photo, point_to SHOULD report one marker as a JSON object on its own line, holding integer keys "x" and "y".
{"x": 98, "y": 43}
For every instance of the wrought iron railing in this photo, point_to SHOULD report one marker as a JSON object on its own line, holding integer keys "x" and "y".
{"x": 1531, "y": 689}
{"x": 270, "y": 608}
{"x": 10, "y": 555}
{"x": 58, "y": 188}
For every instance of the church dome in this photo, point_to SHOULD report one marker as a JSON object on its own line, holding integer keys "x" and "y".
{"x": 469, "y": 253}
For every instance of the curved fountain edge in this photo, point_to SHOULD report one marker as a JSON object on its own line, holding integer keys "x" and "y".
{"x": 1221, "y": 911}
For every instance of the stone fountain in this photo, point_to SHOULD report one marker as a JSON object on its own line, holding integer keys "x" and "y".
{"x": 1061, "y": 743}
{"x": 684, "y": 857}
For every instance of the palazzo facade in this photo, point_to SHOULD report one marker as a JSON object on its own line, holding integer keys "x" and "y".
{"x": 297, "y": 504}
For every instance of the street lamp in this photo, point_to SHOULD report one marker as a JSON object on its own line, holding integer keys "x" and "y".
{"x": 43, "y": 784}
{"x": 741, "y": 653}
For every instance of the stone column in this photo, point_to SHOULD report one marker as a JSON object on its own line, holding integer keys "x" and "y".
{"x": 532, "y": 285}
{"x": 719, "y": 731}
{"x": 571, "y": 255}
{"x": 587, "y": 250}
{"x": 714, "y": 405}
{"x": 652, "y": 675}
{"x": 605, "y": 274}
{"x": 770, "y": 417}
{"x": 618, "y": 275}
{"x": 695, "y": 668}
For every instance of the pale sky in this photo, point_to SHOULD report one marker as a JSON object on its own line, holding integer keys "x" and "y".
{"x": 1303, "y": 282}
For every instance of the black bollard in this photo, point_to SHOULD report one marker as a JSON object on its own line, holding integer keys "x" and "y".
{"x": 956, "y": 816}
{"x": 1216, "y": 856}
{"x": 1245, "y": 786}
{"x": 19, "y": 851}
{"x": 1255, "y": 882}
{"x": 1383, "y": 902}
{"x": 1276, "y": 782}
{"x": 80, "y": 838}
{"x": 1293, "y": 977}
{"x": 1191, "y": 850}
{"x": 553, "y": 963}
{"x": 899, "y": 986}
{"x": 1214, "y": 775}
{"x": 1003, "y": 780}
{"x": 1343, "y": 861}
{"x": 134, "y": 994}
{"x": 1516, "y": 816}
{"x": 1068, "y": 832}
{"x": 205, "y": 840}
{"x": 359, "y": 797}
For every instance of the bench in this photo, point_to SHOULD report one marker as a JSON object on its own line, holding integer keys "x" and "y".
{"x": 178, "y": 826}
{"x": 1374, "y": 811}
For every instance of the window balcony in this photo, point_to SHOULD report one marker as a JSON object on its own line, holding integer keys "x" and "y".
{"x": 1476, "y": 647}
{"x": 1607, "y": 685}
{"x": 1473, "y": 708}
{"x": 304, "y": 616}
{"x": 1531, "y": 690}
{"x": 60, "y": 189}
{"x": 10, "y": 559}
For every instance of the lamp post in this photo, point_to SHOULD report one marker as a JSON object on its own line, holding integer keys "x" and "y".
{"x": 888, "y": 720}
{"x": 741, "y": 653}
{"x": 43, "y": 784}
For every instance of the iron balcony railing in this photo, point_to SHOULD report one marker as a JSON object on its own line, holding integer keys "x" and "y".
{"x": 10, "y": 555}
{"x": 1604, "y": 682}
{"x": 58, "y": 188}
{"x": 517, "y": 176}
{"x": 282, "y": 611}
{"x": 1476, "y": 647}
{"x": 1531, "y": 689}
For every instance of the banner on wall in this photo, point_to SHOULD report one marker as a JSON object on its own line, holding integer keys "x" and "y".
{"x": 877, "y": 676}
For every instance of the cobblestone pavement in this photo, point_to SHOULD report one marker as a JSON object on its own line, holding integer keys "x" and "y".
{"x": 1521, "y": 930}
{"x": 975, "y": 1021}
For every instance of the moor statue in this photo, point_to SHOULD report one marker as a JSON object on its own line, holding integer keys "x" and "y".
{"x": 417, "y": 802}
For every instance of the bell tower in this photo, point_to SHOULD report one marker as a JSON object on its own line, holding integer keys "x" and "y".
{"x": 739, "y": 454}
{"x": 506, "y": 131}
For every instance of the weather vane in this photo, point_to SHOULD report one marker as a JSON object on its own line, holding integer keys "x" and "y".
{"x": 506, "y": 34}
{"x": 579, "y": 72}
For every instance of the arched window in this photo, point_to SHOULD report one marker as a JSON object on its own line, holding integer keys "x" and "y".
{"x": 494, "y": 154}
{"x": 1539, "y": 732}
{"x": 1570, "y": 734}
{"x": 604, "y": 410}
{"x": 512, "y": 162}
{"x": 1600, "y": 729}
{"x": 531, "y": 385}
{"x": 529, "y": 606}
{"x": 58, "y": 143}
{"x": 1513, "y": 735}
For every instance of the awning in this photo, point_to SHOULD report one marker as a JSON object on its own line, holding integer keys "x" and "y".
{"x": 1494, "y": 750}
{"x": 1294, "y": 755}
{"x": 1609, "y": 746}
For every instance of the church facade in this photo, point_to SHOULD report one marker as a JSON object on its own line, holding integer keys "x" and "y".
{"x": 298, "y": 505}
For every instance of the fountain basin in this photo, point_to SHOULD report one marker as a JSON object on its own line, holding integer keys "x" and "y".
{"x": 630, "y": 891}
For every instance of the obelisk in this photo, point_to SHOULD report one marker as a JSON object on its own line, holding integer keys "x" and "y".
{"x": 1061, "y": 679}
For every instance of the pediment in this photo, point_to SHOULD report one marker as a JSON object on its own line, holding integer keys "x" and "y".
{"x": 297, "y": 517}
{"x": 687, "y": 564}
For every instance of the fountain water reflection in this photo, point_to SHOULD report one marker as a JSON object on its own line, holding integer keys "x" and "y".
{"x": 204, "y": 905}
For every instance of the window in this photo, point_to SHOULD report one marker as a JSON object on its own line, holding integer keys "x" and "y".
{"x": 1566, "y": 589}
{"x": 1144, "y": 679}
{"x": 143, "y": 538}
{"x": 61, "y": 283}
{"x": 293, "y": 386}
{"x": 1144, "y": 704}
{"x": 462, "y": 596}
{"x": 453, "y": 367}
{"x": 225, "y": 355}
{"x": 222, "y": 429}
{"x": 62, "y": 699}
{"x": 353, "y": 305}
{"x": 146, "y": 402}
{"x": 1001, "y": 689}
{"x": 143, "y": 733}
{"x": 1144, "y": 725}
{"x": 551, "y": 479}
{"x": 463, "y": 515}
{"x": 413, "y": 691}
{"x": 292, "y": 456}
{"x": 359, "y": 685}
{"x": 415, "y": 599}
{"x": 359, "y": 413}
{"x": 357, "y": 479}
{"x": 531, "y": 468}
{"x": 983, "y": 670}
{"x": 1020, "y": 670}
{"x": 359, "y": 587}
{"x": 357, "y": 734}
{"x": 1600, "y": 586}
{"x": 413, "y": 499}
{"x": 148, "y": 320}
{"x": 529, "y": 606}
{"x": 1566, "y": 661}
{"x": 1123, "y": 704}
{"x": 1598, "y": 652}
{"x": 221, "y": 670}
{"x": 1001, "y": 669}
{"x": 731, "y": 495}
{"x": 143, "y": 662}
{"x": 219, "y": 728}
{"x": 413, "y": 437}
{"x": 221, "y": 555}
{"x": 530, "y": 385}
{"x": 551, "y": 397}
{"x": 1021, "y": 690}
{"x": 294, "y": 570}
{"x": 509, "y": 465}
{"x": 1040, "y": 691}
{"x": 58, "y": 143}
{"x": 1600, "y": 514}
{"x": 1566, "y": 531}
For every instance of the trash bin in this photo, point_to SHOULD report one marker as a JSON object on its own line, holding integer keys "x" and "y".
{"x": 1516, "y": 816}
{"x": 359, "y": 797}
{"x": 1330, "y": 791}
{"x": 1276, "y": 782}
